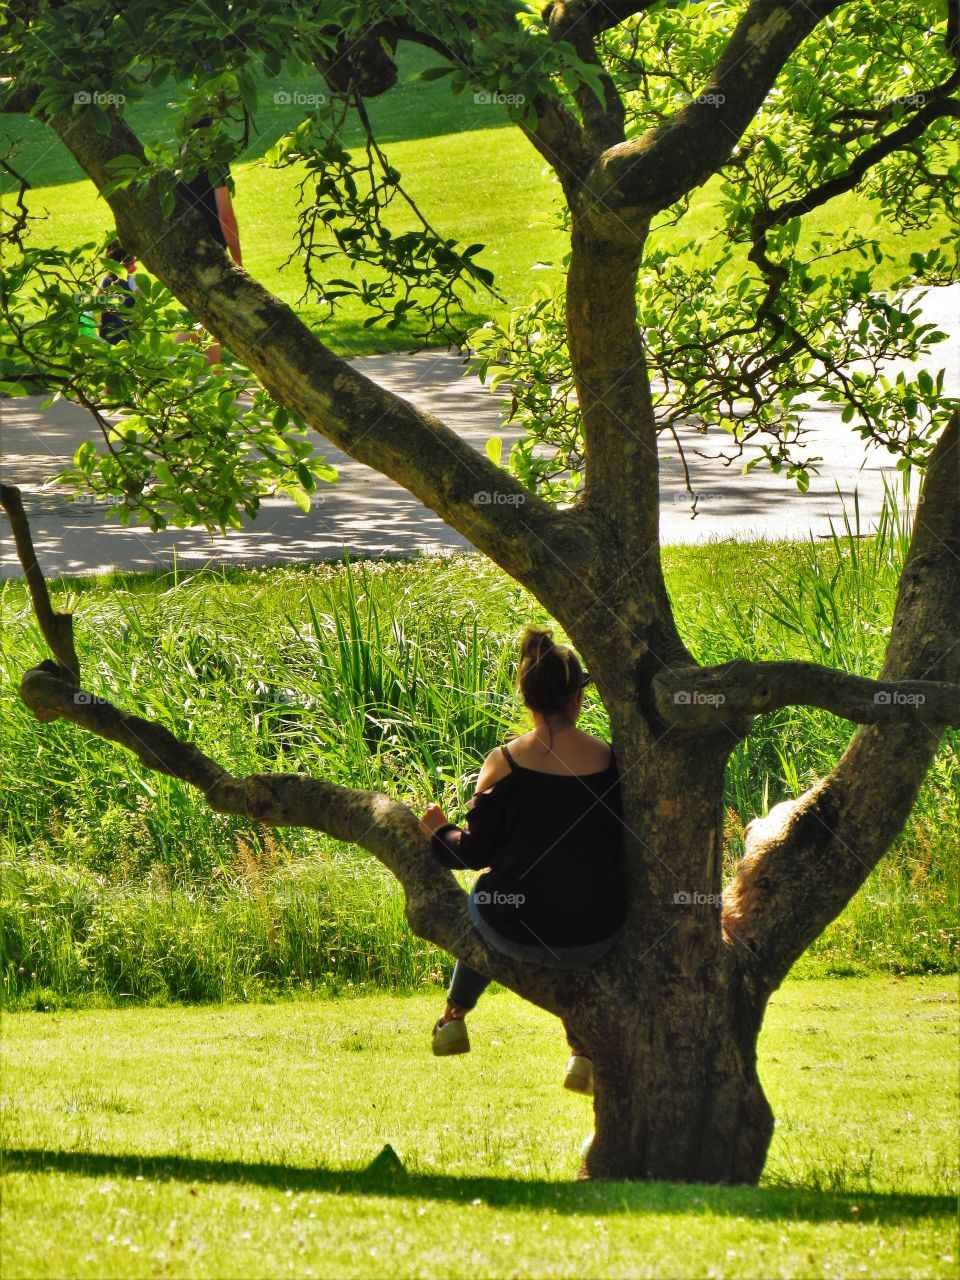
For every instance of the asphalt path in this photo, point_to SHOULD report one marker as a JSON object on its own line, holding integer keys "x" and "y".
{"x": 365, "y": 515}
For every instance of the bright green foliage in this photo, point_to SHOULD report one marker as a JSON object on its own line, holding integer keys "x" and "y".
{"x": 194, "y": 446}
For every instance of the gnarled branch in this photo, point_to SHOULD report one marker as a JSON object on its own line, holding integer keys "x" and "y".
{"x": 704, "y": 696}
{"x": 435, "y": 904}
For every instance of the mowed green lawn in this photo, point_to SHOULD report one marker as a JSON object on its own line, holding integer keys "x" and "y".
{"x": 469, "y": 169}
{"x": 233, "y": 1141}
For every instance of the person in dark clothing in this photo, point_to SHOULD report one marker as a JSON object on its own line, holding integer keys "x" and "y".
{"x": 114, "y": 325}
{"x": 545, "y": 828}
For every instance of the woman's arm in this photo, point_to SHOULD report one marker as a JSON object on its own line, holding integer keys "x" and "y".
{"x": 476, "y": 846}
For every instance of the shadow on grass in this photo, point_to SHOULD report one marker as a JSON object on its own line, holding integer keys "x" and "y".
{"x": 560, "y": 1197}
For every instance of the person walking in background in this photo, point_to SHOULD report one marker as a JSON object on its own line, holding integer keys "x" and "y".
{"x": 208, "y": 194}
{"x": 545, "y": 827}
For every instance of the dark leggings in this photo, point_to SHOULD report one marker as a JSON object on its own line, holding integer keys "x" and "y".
{"x": 466, "y": 988}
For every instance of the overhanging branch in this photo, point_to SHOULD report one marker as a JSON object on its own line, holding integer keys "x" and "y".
{"x": 541, "y": 547}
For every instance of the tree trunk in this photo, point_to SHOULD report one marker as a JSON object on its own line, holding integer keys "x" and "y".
{"x": 677, "y": 1093}
{"x": 673, "y": 1021}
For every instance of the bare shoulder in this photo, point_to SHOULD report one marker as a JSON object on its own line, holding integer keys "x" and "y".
{"x": 492, "y": 770}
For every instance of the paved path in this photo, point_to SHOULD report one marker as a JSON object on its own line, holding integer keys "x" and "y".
{"x": 366, "y": 514}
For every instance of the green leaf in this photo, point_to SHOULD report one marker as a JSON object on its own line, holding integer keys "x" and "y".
{"x": 101, "y": 121}
{"x": 494, "y": 448}
{"x": 85, "y": 456}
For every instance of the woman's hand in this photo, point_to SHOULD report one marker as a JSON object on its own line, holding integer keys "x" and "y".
{"x": 433, "y": 819}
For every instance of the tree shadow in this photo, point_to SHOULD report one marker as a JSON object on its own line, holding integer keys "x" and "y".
{"x": 387, "y": 1178}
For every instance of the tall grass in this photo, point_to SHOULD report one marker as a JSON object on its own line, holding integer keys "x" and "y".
{"x": 398, "y": 677}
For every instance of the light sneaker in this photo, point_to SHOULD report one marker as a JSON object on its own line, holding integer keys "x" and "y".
{"x": 579, "y": 1075}
{"x": 450, "y": 1037}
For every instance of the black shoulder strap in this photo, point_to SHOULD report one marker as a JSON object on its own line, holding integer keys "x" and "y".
{"x": 507, "y": 756}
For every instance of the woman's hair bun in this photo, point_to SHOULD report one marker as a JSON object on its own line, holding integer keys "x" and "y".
{"x": 535, "y": 643}
{"x": 550, "y": 674}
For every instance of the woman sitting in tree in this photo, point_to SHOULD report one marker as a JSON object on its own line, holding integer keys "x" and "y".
{"x": 545, "y": 828}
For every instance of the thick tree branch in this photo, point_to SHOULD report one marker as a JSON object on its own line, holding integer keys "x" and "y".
{"x": 435, "y": 903}
{"x": 633, "y": 181}
{"x": 807, "y": 858}
{"x": 599, "y": 15}
{"x": 573, "y": 21}
{"x": 703, "y": 696}
{"x": 560, "y": 139}
{"x": 541, "y": 547}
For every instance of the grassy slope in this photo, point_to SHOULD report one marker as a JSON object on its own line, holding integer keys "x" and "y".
{"x": 233, "y": 1142}
{"x": 471, "y": 171}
